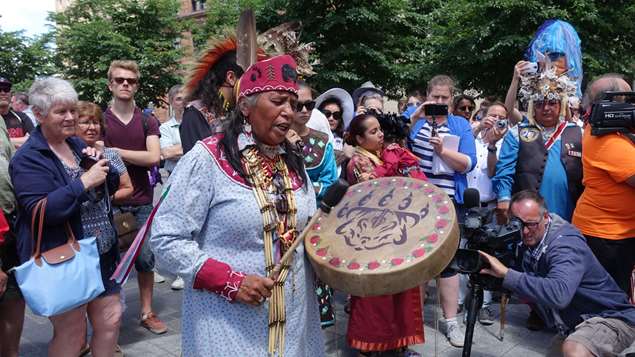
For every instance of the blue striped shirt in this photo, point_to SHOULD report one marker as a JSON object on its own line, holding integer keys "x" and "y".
{"x": 425, "y": 151}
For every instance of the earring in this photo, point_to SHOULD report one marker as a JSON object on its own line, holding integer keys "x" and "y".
{"x": 225, "y": 101}
{"x": 245, "y": 138}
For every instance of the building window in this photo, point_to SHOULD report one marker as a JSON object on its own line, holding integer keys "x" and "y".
{"x": 198, "y": 5}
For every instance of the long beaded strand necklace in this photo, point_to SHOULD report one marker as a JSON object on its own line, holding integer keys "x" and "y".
{"x": 267, "y": 177}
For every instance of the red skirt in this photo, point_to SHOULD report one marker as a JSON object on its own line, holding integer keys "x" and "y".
{"x": 387, "y": 322}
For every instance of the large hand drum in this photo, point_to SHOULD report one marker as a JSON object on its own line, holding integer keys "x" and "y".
{"x": 385, "y": 236}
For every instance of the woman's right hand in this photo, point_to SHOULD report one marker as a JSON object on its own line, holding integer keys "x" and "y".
{"x": 254, "y": 290}
{"x": 96, "y": 175}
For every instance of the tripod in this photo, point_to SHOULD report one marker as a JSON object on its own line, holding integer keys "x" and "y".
{"x": 473, "y": 308}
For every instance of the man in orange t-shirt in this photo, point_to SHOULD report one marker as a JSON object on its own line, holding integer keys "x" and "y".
{"x": 605, "y": 213}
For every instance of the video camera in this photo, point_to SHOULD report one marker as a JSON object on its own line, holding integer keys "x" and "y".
{"x": 482, "y": 233}
{"x": 610, "y": 116}
{"x": 500, "y": 241}
{"x": 392, "y": 125}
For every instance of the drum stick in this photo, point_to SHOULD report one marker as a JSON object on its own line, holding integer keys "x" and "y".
{"x": 332, "y": 197}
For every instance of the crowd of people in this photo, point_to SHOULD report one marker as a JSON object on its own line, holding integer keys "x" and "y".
{"x": 253, "y": 143}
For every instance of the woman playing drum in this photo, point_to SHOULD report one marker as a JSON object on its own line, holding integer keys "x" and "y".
{"x": 387, "y": 323}
{"x": 235, "y": 205}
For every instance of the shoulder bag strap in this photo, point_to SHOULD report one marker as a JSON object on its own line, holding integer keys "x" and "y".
{"x": 38, "y": 211}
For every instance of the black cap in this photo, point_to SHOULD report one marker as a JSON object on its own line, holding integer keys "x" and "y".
{"x": 4, "y": 80}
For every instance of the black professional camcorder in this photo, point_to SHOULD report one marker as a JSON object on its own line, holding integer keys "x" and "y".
{"x": 499, "y": 241}
{"x": 610, "y": 116}
{"x": 482, "y": 233}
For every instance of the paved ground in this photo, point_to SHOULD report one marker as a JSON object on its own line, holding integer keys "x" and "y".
{"x": 137, "y": 342}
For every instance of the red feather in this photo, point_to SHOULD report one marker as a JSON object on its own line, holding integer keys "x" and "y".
{"x": 210, "y": 59}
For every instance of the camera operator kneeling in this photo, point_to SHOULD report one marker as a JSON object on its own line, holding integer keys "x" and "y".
{"x": 573, "y": 292}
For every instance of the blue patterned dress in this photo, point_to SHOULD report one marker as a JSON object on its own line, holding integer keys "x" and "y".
{"x": 211, "y": 213}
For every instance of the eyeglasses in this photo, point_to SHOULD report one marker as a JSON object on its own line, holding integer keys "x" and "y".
{"x": 89, "y": 123}
{"x": 5, "y": 88}
{"x": 466, "y": 108}
{"x": 336, "y": 115}
{"x": 416, "y": 104}
{"x": 131, "y": 81}
{"x": 309, "y": 104}
{"x": 528, "y": 225}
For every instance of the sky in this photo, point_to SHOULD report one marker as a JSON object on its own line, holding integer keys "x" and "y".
{"x": 29, "y": 15}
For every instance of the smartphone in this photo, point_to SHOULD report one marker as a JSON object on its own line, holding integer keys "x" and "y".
{"x": 87, "y": 162}
{"x": 435, "y": 109}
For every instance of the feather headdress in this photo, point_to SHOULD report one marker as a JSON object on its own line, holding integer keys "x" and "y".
{"x": 283, "y": 39}
{"x": 547, "y": 86}
{"x": 217, "y": 49}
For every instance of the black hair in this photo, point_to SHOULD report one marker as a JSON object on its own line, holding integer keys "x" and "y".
{"x": 394, "y": 128}
{"x": 357, "y": 127}
{"x": 208, "y": 87}
{"x": 339, "y": 130}
{"x": 235, "y": 123}
{"x": 458, "y": 99}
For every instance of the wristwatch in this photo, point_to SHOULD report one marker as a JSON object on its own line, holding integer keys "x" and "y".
{"x": 491, "y": 148}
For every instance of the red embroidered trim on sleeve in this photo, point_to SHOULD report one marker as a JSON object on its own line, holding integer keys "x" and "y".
{"x": 218, "y": 278}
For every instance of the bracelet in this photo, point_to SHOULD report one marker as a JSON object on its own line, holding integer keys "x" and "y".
{"x": 491, "y": 148}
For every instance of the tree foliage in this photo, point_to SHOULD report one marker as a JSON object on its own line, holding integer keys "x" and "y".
{"x": 400, "y": 44}
{"x": 92, "y": 33}
{"x": 479, "y": 42}
{"x": 25, "y": 58}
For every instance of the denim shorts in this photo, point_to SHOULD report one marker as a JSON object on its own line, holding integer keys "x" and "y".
{"x": 145, "y": 260}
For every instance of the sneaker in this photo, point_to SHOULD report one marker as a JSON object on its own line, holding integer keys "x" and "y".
{"x": 153, "y": 324}
{"x": 178, "y": 284}
{"x": 158, "y": 278}
{"x": 455, "y": 335}
{"x": 486, "y": 316}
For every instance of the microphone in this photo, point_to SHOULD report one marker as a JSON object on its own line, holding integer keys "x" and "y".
{"x": 471, "y": 198}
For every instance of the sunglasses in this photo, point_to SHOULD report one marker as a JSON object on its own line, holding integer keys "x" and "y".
{"x": 131, "y": 81}
{"x": 466, "y": 108}
{"x": 5, "y": 88}
{"x": 551, "y": 103}
{"x": 336, "y": 115}
{"x": 309, "y": 104}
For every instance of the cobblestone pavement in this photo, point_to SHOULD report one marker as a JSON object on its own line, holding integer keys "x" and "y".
{"x": 138, "y": 342}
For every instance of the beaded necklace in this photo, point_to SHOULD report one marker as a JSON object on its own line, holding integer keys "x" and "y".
{"x": 271, "y": 184}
